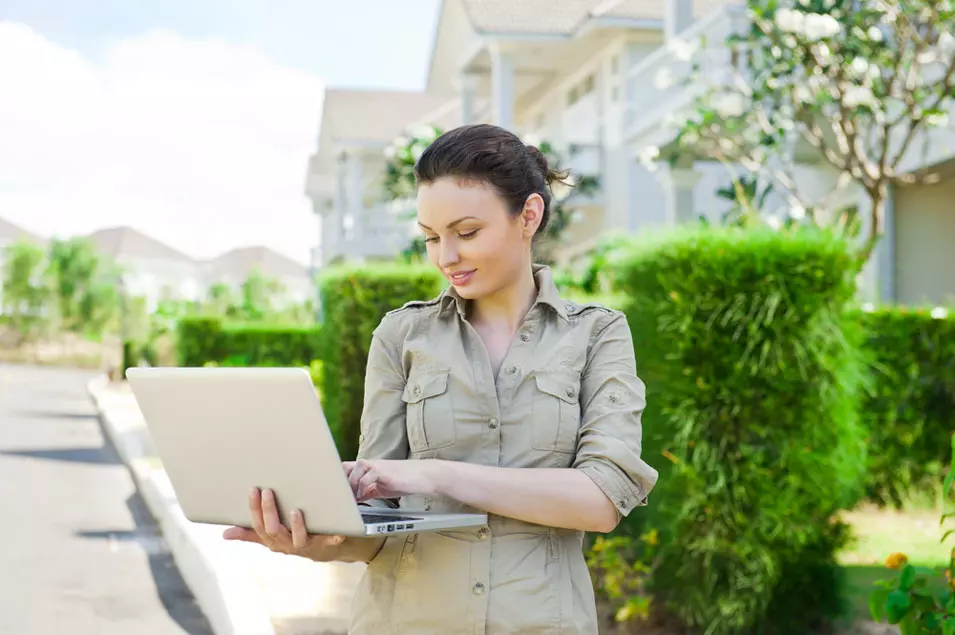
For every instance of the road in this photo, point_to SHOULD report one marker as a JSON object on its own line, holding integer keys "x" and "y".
{"x": 79, "y": 552}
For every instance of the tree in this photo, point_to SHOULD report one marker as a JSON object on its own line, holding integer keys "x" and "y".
{"x": 84, "y": 285}
{"x": 862, "y": 81}
{"x": 26, "y": 291}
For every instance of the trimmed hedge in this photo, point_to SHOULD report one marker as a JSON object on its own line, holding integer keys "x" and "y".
{"x": 205, "y": 340}
{"x": 354, "y": 300}
{"x": 753, "y": 380}
{"x": 910, "y": 412}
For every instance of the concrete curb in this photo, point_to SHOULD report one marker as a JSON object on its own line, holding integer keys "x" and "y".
{"x": 224, "y": 588}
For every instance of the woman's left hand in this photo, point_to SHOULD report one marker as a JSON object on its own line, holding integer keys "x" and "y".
{"x": 392, "y": 479}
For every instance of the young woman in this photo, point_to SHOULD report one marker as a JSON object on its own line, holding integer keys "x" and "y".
{"x": 496, "y": 396}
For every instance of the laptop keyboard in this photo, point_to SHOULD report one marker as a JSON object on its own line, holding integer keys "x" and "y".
{"x": 384, "y": 518}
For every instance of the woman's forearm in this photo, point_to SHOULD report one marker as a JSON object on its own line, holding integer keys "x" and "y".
{"x": 555, "y": 497}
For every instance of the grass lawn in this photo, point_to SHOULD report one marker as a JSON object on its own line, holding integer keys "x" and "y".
{"x": 879, "y": 533}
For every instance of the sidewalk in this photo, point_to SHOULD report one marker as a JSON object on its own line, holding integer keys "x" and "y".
{"x": 244, "y": 589}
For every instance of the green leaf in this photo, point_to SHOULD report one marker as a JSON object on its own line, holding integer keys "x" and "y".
{"x": 910, "y": 626}
{"x": 907, "y": 578}
{"x": 877, "y": 600}
{"x": 897, "y": 606}
{"x": 948, "y": 627}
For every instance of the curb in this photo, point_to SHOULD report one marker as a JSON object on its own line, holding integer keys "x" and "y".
{"x": 226, "y": 592}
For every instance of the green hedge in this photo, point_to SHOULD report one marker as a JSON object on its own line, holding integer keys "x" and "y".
{"x": 910, "y": 412}
{"x": 753, "y": 377}
{"x": 205, "y": 340}
{"x": 354, "y": 300}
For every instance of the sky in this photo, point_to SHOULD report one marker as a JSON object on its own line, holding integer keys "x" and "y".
{"x": 189, "y": 120}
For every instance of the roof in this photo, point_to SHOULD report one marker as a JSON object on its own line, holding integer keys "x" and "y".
{"x": 239, "y": 263}
{"x": 545, "y": 17}
{"x": 380, "y": 116}
{"x": 10, "y": 233}
{"x": 126, "y": 241}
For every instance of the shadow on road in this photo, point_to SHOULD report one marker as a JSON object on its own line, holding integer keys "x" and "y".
{"x": 104, "y": 455}
{"x": 172, "y": 590}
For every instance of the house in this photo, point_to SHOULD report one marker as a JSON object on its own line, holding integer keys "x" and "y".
{"x": 584, "y": 75}
{"x": 234, "y": 267}
{"x": 151, "y": 269}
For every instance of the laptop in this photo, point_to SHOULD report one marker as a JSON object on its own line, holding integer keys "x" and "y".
{"x": 222, "y": 431}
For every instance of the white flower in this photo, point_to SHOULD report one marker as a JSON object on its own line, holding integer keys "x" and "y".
{"x": 868, "y": 307}
{"x": 946, "y": 43}
{"x": 390, "y": 152}
{"x": 939, "y": 313}
{"x": 417, "y": 150}
{"x": 726, "y": 144}
{"x": 802, "y": 95}
{"x": 859, "y": 66}
{"x": 683, "y": 50}
{"x": 663, "y": 78}
{"x": 776, "y": 51}
{"x": 856, "y": 96}
{"x": 823, "y": 54}
{"x": 797, "y": 211}
{"x": 421, "y": 131}
{"x": 819, "y": 26}
{"x": 729, "y": 104}
{"x": 400, "y": 142}
{"x": 790, "y": 21}
{"x": 648, "y": 156}
{"x": 937, "y": 120}
{"x": 875, "y": 34}
{"x": 774, "y": 221}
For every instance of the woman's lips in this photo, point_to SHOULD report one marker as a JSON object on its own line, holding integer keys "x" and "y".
{"x": 460, "y": 278}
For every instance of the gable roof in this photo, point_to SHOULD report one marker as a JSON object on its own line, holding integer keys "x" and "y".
{"x": 126, "y": 241}
{"x": 545, "y": 17}
{"x": 10, "y": 233}
{"x": 239, "y": 263}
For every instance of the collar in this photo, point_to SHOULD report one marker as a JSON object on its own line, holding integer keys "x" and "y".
{"x": 547, "y": 294}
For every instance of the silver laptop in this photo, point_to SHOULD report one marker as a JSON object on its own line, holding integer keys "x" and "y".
{"x": 222, "y": 431}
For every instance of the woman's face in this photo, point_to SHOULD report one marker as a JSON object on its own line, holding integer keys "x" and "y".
{"x": 472, "y": 238}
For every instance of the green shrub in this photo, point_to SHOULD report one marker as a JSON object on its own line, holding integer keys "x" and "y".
{"x": 753, "y": 378}
{"x": 910, "y": 412}
{"x": 202, "y": 341}
{"x": 354, "y": 300}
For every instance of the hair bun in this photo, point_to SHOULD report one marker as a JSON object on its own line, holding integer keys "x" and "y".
{"x": 551, "y": 175}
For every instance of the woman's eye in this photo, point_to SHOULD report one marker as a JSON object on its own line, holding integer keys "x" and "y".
{"x": 431, "y": 239}
{"x": 470, "y": 234}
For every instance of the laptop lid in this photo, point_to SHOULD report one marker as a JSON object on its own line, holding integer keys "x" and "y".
{"x": 222, "y": 431}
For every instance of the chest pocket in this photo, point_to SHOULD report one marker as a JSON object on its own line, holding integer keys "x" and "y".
{"x": 556, "y": 412}
{"x": 430, "y": 414}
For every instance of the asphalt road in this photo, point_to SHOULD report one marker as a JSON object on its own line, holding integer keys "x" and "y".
{"x": 79, "y": 552}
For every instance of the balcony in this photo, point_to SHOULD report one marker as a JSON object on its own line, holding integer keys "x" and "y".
{"x": 384, "y": 232}
{"x": 655, "y": 84}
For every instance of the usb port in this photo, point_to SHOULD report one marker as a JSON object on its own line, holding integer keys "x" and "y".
{"x": 391, "y": 527}
{"x": 399, "y": 527}
{"x": 409, "y": 526}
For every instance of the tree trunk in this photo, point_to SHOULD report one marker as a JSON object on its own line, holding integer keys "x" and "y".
{"x": 877, "y": 198}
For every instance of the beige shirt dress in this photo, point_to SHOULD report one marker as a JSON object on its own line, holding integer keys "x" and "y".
{"x": 567, "y": 396}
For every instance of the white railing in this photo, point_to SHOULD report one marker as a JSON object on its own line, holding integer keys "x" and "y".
{"x": 655, "y": 85}
{"x": 383, "y": 232}
{"x": 585, "y": 159}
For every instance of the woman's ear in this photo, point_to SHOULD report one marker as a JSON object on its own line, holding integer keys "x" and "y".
{"x": 532, "y": 215}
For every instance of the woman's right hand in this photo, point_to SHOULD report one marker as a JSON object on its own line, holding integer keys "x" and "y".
{"x": 268, "y": 530}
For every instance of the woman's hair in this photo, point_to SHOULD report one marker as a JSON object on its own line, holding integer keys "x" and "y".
{"x": 494, "y": 156}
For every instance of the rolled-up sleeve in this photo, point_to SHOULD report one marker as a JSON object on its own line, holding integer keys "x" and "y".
{"x": 384, "y": 434}
{"x": 613, "y": 399}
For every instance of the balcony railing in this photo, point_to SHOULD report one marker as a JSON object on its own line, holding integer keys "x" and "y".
{"x": 655, "y": 85}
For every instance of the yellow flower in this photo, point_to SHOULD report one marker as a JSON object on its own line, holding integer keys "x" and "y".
{"x": 896, "y": 561}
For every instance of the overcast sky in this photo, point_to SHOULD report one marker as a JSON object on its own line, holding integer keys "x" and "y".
{"x": 190, "y": 120}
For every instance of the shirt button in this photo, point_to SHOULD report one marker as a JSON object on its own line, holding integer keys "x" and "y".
{"x": 492, "y": 423}
{"x": 417, "y": 390}
{"x": 525, "y": 337}
{"x": 482, "y": 533}
{"x": 570, "y": 393}
{"x": 479, "y": 589}
{"x": 512, "y": 369}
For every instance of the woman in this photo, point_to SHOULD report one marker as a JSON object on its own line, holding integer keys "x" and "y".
{"x": 507, "y": 400}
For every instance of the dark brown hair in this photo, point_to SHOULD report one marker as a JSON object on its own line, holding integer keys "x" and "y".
{"x": 493, "y": 156}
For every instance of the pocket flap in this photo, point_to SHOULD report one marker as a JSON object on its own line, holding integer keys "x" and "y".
{"x": 422, "y": 386}
{"x": 560, "y": 386}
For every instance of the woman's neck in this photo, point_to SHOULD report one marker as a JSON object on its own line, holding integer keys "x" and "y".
{"x": 508, "y": 306}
